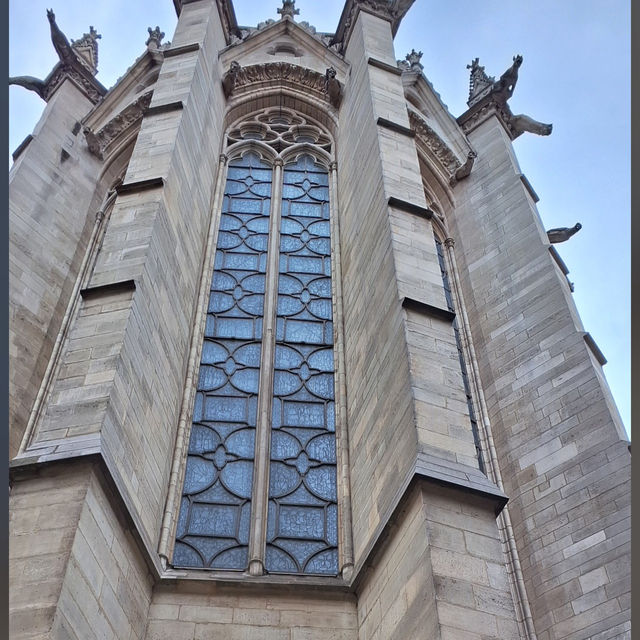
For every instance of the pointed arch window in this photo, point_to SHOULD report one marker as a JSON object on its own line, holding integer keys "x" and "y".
{"x": 260, "y": 485}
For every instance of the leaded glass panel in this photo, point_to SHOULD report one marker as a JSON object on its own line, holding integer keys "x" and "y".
{"x": 214, "y": 521}
{"x": 463, "y": 366}
{"x": 302, "y": 521}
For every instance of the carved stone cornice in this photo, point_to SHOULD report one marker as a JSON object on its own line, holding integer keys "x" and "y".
{"x": 81, "y": 78}
{"x": 483, "y": 110}
{"x": 436, "y": 145}
{"x": 326, "y": 87}
{"x": 133, "y": 113}
{"x": 390, "y": 10}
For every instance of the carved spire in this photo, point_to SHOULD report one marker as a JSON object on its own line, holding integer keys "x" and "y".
{"x": 86, "y": 49}
{"x": 155, "y": 37}
{"x": 479, "y": 80}
{"x": 288, "y": 9}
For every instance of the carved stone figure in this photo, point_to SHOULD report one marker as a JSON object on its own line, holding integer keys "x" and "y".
{"x": 505, "y": 86}
{"x": 413, "y": 59}
{"x": 493, "y": 94}
{"x": 78, "y": 60}
{"x": 332, "y": 87}
{"x": 522, "y": 123}
{"x": 465, "y": 169}
{"x": 30, "y": 83}
{"x": 229, "y": 79}
{"x": 155, "y": 37}
{"x": 562, "y": 234}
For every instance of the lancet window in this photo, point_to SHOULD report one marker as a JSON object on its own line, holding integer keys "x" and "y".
{"x": 260, "y": 477}
{"x": 463, "y": 366}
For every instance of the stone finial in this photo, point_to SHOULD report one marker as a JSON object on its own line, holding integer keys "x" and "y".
{"x": 288, "y": 9}
{"x": 478, "y": 81}
{"x": 413, "y": 59}
{"x": 86, "y": 49}
{"x": 155, "y": 37}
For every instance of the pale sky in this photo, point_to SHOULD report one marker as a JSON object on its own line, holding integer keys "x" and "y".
{"x": 575, "y": 74}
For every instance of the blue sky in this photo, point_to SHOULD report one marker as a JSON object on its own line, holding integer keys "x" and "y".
{"x": 575, "y": 74}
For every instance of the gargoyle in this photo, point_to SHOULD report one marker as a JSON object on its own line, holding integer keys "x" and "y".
{"x": 30, "y": 83}
{"x": 60, "y": 42}
{"x": 507, "y": 83}
{"x": 562, "y": 234}
{"x": 464, "y": 170}
{"x": 229, "y": 79}
{"x": 522, "y": 123}
{"x": 332, "y": 87}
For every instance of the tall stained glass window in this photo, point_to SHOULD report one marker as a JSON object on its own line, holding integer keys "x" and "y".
{"x": 218, "y": 510}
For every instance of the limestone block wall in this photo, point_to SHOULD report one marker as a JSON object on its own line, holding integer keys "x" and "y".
{"x": 562, "y": 453}
{"x": 382, "y": 438}
{"x": 397, "y": 596}
{"x": 44, "y": 510}
{"x": 201, "y": 611}
{"x": 404, "y": 388}
{"x": 52, "y": 207}
{"x": 107, "y": 585}
{"x": 441, "y": 573}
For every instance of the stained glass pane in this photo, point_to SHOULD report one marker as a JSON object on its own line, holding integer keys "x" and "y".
{"x": 463, "y": 367}
{"x": 214, "y": 521}
{"x": 302, "y": 517}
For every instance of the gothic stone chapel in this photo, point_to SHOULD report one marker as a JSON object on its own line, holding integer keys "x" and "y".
{"x": 293, "y": 357}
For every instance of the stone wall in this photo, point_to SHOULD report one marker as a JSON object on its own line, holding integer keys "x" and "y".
{"x": 439, "y": 574}
{"x": 44, "y": 510}
{"x": 562, "y": 451}
{"x": 200, "y": 611}
{"x": 52, "y": 206}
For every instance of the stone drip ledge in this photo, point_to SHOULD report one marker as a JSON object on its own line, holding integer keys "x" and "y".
{"x": 426, "y": 468}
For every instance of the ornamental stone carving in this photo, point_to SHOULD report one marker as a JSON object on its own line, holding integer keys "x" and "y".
{"x": 436, "y": 145}
{"x": 155, "y": 37}
{"x": 325, "y": 86}
{"x": 78, "y": 61}
{"x": 288, "y": 9}
{"x": 132, "y": 114}
{"x": 488, "y": 96}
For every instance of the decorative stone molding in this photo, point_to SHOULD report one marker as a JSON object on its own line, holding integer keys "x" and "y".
{"x": 99, "y": 141}
{"x": 89, "y": 85}
{"x": 325, "y": 86}
{"x": 437, "y": 146}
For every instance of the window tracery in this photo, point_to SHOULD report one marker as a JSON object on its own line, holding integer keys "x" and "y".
{"x": 264, "y": 403}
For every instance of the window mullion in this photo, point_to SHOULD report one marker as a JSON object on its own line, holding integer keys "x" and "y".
{"x": 259, "y": 507}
